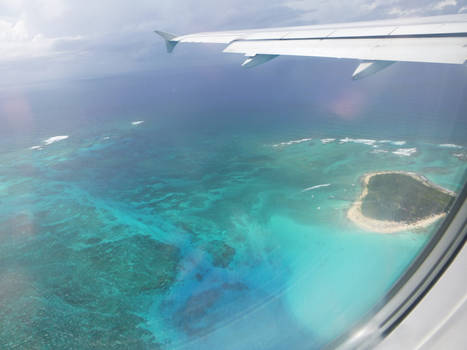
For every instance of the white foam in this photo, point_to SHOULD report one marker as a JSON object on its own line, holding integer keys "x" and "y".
{"x": 368, "y": 142}
{"x": 106, "y": 138}
{"x": 314, "y": 187}
{"x": 460, "y": 156}
{"x": 325, "y": 141}
{"x": 449, "y": 145}
{"x": 365, "y": 141}
{"x": 54, "y": 139}
{"x": 35, "y": 147}
{"x": 395, "y": 143}
{"x": 399, "y": 143}
{"x": 292, "y": 142}
{"x": 137, "y": 122}
{"x": 344, "y": 140}
{"x": 376, "y": 151}
{"x": 405, "y": 151}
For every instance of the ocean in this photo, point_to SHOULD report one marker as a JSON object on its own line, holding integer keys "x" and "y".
{"x": 144, "y": 215}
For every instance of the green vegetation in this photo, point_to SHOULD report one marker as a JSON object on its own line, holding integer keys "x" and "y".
{"x": 401, "y": 198}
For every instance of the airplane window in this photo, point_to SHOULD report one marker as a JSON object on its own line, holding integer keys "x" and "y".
{"x": 180, "y": 201}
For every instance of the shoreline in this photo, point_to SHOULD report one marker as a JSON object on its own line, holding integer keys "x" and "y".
{"x": 355, "y": 214}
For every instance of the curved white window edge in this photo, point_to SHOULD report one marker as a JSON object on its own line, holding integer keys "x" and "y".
{"x": 439, "y": 320}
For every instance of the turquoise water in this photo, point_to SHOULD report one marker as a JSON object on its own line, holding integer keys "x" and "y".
{"x": 184, "y": 232}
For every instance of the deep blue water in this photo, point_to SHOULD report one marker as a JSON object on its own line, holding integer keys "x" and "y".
{"x": 194, "y": 228}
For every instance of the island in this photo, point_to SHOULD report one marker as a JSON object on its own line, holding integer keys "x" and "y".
{"x": 393, "y": 201}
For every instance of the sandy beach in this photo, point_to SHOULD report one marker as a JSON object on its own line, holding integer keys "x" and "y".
{"x": 355, "y": 214}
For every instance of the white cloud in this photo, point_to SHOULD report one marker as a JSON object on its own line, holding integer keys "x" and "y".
{"x": 444, "y": 3}
{"x": 48, "y": 9}
{"x": 399, "y": 12}
{"x": 18, "y": 43}
{"x": 13, "y": 31}
{"x": 425, "y": 8}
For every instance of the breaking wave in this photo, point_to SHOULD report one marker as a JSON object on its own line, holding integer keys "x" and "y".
{"x": 314, "y": 187}
{"x": 325, "y": 141}
{"x": 449, "y": 145}
{"x": 368, "y": 142}
{"x": 49, "y": 141}
{"x": 405, "y": 151}
{"x": 395, "y": 143}
{"x": 379, "y": 151}
{"x": 288, "y": 143}
{"x": 54, "y": 139}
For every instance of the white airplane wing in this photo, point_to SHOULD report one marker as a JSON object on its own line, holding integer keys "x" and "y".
{"x": 440, "y": 39}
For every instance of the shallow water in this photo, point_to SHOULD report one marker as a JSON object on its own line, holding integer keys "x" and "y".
{"x": 188, "y": 231}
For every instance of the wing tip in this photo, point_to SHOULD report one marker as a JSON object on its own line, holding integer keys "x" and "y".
{"x": 170, "y": 43}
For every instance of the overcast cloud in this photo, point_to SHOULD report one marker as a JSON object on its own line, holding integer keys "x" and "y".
{"x": 55, "y": 39}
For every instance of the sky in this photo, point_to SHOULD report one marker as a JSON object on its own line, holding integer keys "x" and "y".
{"x": 43, "y": 40}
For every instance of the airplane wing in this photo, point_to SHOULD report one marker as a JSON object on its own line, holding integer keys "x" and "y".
{"x": 378, "y": 44}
